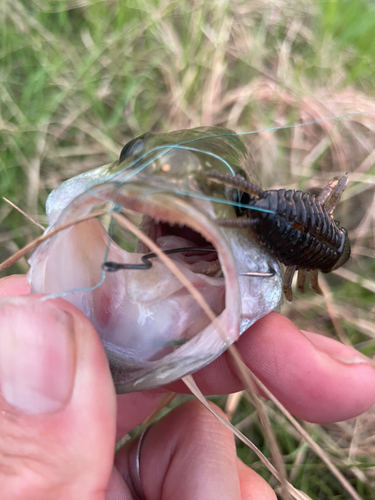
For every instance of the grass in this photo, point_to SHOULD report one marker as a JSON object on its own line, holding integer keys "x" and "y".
{"x": 79, "y": 78}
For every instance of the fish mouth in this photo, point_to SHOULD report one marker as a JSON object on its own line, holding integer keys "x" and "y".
{"x": 152, "y": 328}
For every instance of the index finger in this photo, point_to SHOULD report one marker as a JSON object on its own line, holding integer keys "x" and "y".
{"x": 316, "y": 378}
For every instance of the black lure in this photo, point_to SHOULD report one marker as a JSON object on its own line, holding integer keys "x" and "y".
{"x": 301, "y": 232}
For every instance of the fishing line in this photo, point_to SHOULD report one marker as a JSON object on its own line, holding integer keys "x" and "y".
{"x": 185, "y": 193}
{"x": 114, "y": 208}
{"x": 281, "y": 127}
{"x": 226, "y": 134}
{"x": 183, "y": 146}
{"x": 210, "y": 198}
{"x": 169, "y": 147}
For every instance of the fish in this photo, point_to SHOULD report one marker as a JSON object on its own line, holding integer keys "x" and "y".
{"x": 152, "y": 328}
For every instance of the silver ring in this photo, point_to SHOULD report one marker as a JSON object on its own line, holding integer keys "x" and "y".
{"x": 137, "y": 478}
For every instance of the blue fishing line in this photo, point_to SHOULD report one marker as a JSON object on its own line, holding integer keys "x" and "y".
{"x": 272, "y": 129}
{"x": 165, "y": 149}
{"x": 208, "y": 198}
{"x": 186, "y": 193}
{"x": 72, "y": 290}
{"x": 194, "y": 195}
{"x": 182, "y": 145}
{"x": 191, "y": 195}
{"x": 116, "y": 208}
{"x": 234, "y": 134}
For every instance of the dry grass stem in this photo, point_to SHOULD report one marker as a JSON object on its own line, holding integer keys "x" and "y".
{"x": 24, "y": 213}
{"x": 35, "y": 243}
{"x": 316, "y": 448}
{"x": 232, "y": 403}
{"x": 211, "y": 315}
{"x": 287, "y": 488}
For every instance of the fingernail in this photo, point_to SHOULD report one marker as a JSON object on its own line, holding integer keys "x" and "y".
{"x": 354, "y": 359}
{"x": 37, "y": 354}
{"x": 340, "y": 352}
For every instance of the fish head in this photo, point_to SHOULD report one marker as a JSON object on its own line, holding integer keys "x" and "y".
{"x": 153, "y": 329}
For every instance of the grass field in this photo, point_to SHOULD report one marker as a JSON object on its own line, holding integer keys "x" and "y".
{"x": 80, "y": 78}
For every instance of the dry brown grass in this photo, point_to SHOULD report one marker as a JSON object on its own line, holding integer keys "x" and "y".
{"x": 76, "y": 83}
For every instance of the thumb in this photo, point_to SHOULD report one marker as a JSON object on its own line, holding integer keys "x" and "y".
{"x": 57, "y": 403}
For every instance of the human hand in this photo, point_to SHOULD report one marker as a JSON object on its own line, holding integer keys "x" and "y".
{"x": 59, "y": 421}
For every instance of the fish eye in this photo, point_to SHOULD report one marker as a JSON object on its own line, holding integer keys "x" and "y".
{"x": 133, "y": 147}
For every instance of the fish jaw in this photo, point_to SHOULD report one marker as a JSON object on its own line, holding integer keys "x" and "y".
{"x": 142, "y": 316}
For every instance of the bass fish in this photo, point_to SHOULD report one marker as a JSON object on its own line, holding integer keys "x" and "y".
{"x": 153, "y": 330}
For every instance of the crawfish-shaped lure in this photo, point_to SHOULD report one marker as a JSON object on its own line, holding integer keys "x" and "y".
{"x": 301, "y": 232}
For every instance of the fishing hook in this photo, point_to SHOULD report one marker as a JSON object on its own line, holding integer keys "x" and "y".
{"x": 112, "y": 267}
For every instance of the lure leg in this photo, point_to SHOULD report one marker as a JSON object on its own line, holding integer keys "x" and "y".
{"x": 240, "y": 222}
{"x": 287, "y": 283}
{"x": 301, "y": 280}
{"x": 331, "y": 194}
{"x": 314, "y": 285}
{"x": 236, "y": 182}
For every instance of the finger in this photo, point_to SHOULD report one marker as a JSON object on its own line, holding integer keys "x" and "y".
{"x": 14, "y": 285}
{"x": 188, "y": 454}
{"x": 132, "y": 409}
{"x": 317, "y": 379}
{"x": 57, "y": 403}
{"x": 253, "y": 487}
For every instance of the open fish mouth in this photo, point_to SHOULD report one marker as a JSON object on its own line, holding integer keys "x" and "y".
{"x": 153, "y": 330}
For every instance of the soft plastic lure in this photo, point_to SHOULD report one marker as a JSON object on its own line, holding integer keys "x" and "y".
{"x": 298, "y": 228}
